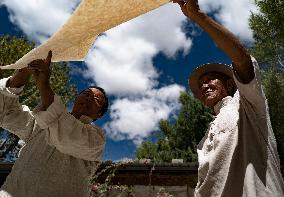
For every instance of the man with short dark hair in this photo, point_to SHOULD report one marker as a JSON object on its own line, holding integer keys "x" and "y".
{"x": 238, "y": 154}
{"x": 62, "y": 149}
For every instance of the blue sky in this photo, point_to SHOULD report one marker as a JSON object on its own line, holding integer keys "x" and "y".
{"x": 143, "y": 64}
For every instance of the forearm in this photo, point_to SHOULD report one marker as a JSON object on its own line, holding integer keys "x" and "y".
{"x": 46, "y": 94}
{"x": 19, "y": 79}
{"x": 229, "y": 44}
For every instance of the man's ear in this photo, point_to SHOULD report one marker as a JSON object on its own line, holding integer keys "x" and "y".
{"x": 230, "y": 84}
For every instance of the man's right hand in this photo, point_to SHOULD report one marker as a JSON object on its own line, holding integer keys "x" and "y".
{"x": 41, "y": 73}
{"x": 40, "y": 69}
{"x": 224, "y": 39}
{"x": 190, "y": 8}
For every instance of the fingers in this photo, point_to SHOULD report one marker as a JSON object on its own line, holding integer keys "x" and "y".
{"x": 48, "y": 58}
{"x": 35, "y": 68}
{"x": 41, "y": 61}
{"x": 180, "y": 2}
{"x": 36, "y": 64}
{"x": 41, "y": 64}
{"x": 34, "y": 71}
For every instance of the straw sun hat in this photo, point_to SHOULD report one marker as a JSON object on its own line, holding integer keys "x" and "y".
{"x": 207, "y": 68}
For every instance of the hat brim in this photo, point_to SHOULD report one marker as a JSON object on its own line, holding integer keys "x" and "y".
{"x": 194, "y": 77}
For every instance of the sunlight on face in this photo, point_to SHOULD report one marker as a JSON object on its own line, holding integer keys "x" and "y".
{"x": 212, "y": 89}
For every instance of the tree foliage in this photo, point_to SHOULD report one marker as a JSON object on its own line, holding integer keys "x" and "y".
{"x": 12, "y": 49}
{"x": 179, "y": 138}
{"x": 274, "y": 90}
{"x": 268, "y": 32}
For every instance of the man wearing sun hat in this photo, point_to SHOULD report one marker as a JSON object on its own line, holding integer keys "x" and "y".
{"x": 238, "y": 154}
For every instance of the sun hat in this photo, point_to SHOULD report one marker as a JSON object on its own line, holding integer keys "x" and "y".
{"x": 194, "y": 77}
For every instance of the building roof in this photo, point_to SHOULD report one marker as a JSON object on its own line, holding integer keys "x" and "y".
{"x": 163, "y": 174}
{"x": 158, "y": 174}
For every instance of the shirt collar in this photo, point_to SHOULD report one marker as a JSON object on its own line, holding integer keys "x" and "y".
{"x": 86, "y": 119}
{"x": 221, "y": 104}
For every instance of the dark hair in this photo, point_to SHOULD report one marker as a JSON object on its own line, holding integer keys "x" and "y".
{"x": 104, "y": 108}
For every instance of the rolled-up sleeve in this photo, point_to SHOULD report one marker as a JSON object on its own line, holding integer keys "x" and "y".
{"x": 252, "y": 93}
{"x": 14, "y": 117}
{"x": 68, "y": 134}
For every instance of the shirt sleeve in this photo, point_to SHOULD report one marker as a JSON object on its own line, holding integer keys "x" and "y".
{"x": 68, "y": 134}
{"x": 14, "y": 117}
{"x": 252, "y": 93}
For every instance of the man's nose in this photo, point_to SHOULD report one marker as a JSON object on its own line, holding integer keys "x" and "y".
{"x": 204, "y": 86}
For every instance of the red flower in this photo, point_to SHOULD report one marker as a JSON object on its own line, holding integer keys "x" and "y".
{"x": 132, "y": 194}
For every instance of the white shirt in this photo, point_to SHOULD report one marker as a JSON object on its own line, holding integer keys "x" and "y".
{"x": 60, "y": 154}
{"x": 238, "y": 154}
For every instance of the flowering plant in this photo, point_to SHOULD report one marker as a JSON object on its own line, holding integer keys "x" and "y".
{"x": 104, "y": 189}
{"x": 101, "y": 190}
{"x": 163, "y": 193}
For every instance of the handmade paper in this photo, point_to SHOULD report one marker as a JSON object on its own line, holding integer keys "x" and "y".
{"x": 92, "y": 17}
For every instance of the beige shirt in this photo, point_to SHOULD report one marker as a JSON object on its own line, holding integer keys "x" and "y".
{"x": 60, "y": 154}
{"x": 238, "y": 154}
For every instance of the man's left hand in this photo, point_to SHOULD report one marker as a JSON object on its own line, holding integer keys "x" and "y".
{"x": 41, "y": 69}
{"x": 190, "y": 8}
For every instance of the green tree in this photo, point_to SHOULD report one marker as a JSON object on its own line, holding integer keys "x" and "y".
{"x": 179, "y": 138}
{"x": 268, "y": 33}
{"x": 274, "y": 90}
{"x": 12, "y": 49}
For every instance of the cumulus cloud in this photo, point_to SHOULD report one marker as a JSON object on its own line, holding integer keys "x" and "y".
{"x": 233, "y": 14}
{"x": 136, "y": 118}
{"x": 122, "y": 59}
{"x": 39, "y": 19}
{"x": 122, "y": 63}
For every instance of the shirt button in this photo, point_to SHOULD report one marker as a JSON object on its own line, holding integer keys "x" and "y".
{"x": 211, "y": 136}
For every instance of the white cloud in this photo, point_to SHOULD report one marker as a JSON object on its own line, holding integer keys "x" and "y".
{"x": 124, "y": 160}
{"x": 136, "y": 118}
{"x": 39, "y": 19}
{"x": 233, "y": 14}
{"x": 122, "y": 66}
{"x": 122, "y": 59}
{"x": 122, "y": 63}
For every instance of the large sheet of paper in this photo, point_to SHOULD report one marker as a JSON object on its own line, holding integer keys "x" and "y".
{"x": 92, "y": 17}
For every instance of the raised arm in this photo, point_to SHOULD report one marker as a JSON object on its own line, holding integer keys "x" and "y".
{"x": 222, "y": 37}
{"x": 14, "y": 117}
{"x": 41, "y": 73}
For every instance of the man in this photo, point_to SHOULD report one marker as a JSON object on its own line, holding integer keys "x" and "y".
{"x": 62, "y": 149}
{"x": 238, "y": 154}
